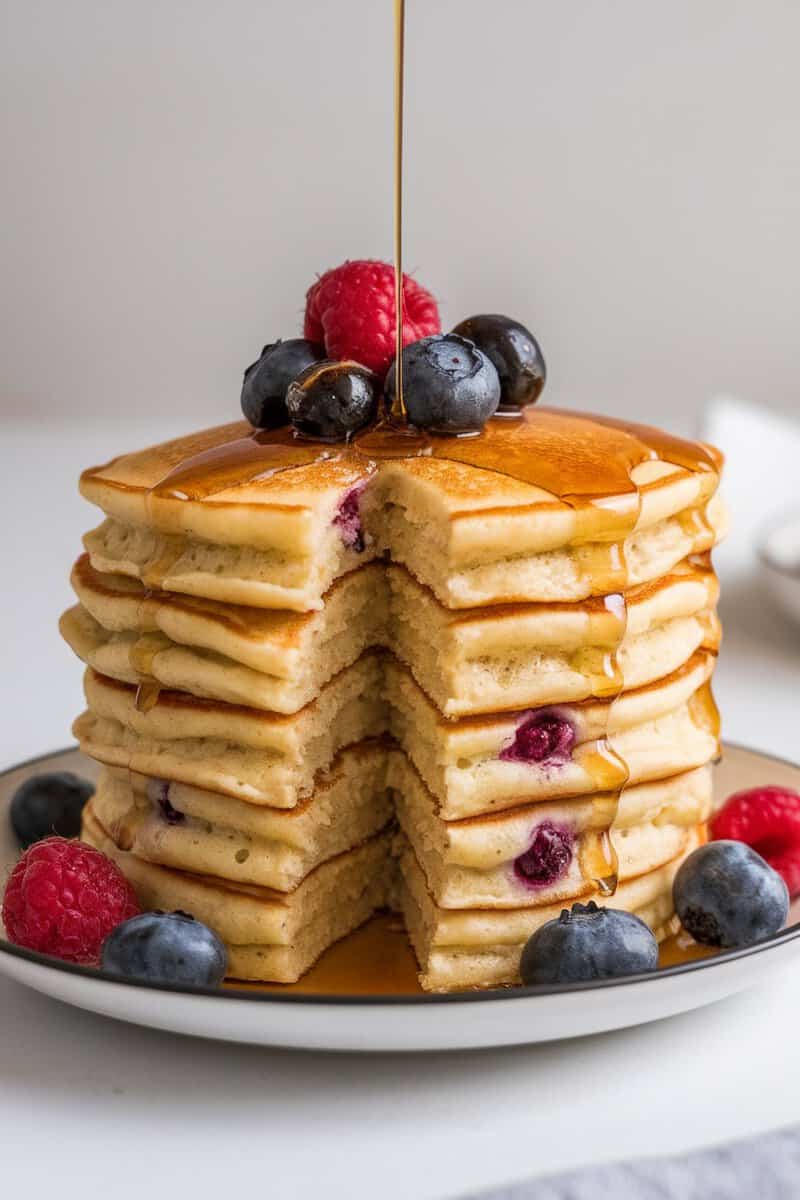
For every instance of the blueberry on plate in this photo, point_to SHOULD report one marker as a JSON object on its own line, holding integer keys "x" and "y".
{"x": 332, "y": 400}
{"x": 587, "y": 943}
{"x": 515, "y": 353}
{"x": 267, "y": 380}
{"x": 48, "y": 804}
{"x": 449, "y": 385}
{"x": 165, "y": 948}
{"x": 725, "y": 894}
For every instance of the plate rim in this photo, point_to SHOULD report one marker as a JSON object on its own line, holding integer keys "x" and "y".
{"x": 350, "y": 1000}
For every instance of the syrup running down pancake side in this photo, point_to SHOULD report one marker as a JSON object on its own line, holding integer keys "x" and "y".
{"x": 583, "y": 462}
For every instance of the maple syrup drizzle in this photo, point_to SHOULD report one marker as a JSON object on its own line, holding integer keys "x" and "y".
{"x": 142, "y": 653}
{"x": 586, "y": 462}
{"x": 704, "y": 712}
{"x": 398, "y": 413}
{"x": 244, "y": 460}
{"x": 392, "y": 436}
{"x": 147, "y": 696}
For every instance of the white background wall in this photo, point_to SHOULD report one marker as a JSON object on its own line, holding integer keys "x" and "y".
{"x": 623, "y": 175}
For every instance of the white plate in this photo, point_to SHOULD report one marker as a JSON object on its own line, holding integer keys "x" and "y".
{"x": 379, "y": 1023}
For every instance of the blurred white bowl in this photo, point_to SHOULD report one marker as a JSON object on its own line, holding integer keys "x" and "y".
{"x": 779, "y": 551}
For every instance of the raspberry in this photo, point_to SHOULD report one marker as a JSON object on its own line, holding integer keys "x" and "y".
{"x": 768, "y": 819}
{"x": 64, "y": 898}
{"x": 351, "y": 310}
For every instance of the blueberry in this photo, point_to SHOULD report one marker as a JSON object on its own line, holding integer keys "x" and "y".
{"x": 588, "y": 943}
{"x": 547, "y": 858}
{"x": 158, "y": 793}
{"x": 515, "y": 353}
{"x": 541, "y": 737}
{"x": 267, "y": 380}
{"x": 332, "y": 400}
{"x": 726, "y": 895}
{"x": 449, "y": 385}
{"x": 165, "y": 947}
{"x": 47, "y": 804}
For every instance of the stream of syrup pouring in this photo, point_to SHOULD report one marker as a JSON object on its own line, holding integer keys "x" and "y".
{"x": 398, "y": 404}
{"x": 557, "y": 452}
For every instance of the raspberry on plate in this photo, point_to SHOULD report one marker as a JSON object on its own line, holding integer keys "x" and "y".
{"x": 351, "y": 310}
{"x": 64, "y": 898}
{"x": 768, "y": 820}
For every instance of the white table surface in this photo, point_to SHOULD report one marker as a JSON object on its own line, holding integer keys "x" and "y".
{"x": 85, "y": 1099}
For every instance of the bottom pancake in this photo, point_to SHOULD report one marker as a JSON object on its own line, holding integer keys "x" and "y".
{"x": 270, "y": 935}
{"x": 475, "y": 948}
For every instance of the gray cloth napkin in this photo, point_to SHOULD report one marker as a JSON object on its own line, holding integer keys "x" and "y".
{"x": 763, "y": 1168}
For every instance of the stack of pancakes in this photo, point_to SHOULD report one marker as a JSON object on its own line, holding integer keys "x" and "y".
{"x": 471, "y": 684}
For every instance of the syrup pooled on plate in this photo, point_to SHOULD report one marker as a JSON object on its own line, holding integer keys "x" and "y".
{"x": 377, "y": 960}
{"x": 398, "y": 414}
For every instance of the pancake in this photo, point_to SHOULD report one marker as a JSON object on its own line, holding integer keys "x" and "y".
{"x": 647, "y": 734}
{"x": 561, "y": 573}
{"x": 224, "y": 516}
{"x": 540, "y": 855}
{"x": 269, "y": 935}
{"x": 210, "y": 834}
{"x": 480, "y": 843}
{"x": 459, "y": 949}
{"x": 525, "y": 655}
{"x": 261, "y": 658}
{"x": 246, "y": 575}
{"x": 492, "y": 659}
{"x": 261, "y": 758}
{"x": 273, "y": 759}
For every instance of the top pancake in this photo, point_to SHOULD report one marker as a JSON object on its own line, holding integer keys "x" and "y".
{"x": 533, "y": 509}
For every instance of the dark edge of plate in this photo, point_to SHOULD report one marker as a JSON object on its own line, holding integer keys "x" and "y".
{"x": 471, "y": 997}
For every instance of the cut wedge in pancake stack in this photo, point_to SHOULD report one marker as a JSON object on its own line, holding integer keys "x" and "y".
{"x": 472, "y": 684}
